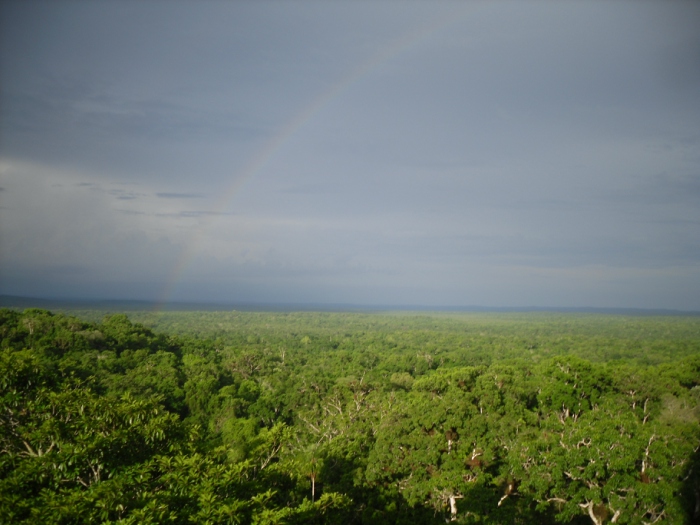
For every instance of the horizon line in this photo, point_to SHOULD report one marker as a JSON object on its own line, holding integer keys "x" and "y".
{"x": 7, "y": 300}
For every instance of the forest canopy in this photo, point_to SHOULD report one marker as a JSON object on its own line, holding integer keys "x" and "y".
{"x": 249, "y": 417}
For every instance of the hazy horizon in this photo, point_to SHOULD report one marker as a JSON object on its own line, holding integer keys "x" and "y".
{"x": 62, "y": 304}
{"x": 502, "y": 154}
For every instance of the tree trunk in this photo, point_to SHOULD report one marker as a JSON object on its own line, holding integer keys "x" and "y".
{"x": 589, "y": 506}
{"x": 453, "y": 508}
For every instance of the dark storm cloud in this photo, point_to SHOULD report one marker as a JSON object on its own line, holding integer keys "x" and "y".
{"x": 499, "y": 153}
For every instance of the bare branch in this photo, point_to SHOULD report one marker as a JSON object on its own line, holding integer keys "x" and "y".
{"x": 615, "y": 516}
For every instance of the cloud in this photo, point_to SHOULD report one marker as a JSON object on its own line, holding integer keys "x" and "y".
{"x": 131, "y": 212}
{"x": 517, "y": 154}
{"x": 195, "y": 214}
{"x": 168, "y": 195}
{"x": 305, "y": 189}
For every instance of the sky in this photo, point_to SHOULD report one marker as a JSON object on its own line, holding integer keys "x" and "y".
{"x": 499, "y": 154}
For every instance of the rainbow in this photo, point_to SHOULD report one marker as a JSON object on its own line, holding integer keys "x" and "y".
{"x": 268, "y": 150}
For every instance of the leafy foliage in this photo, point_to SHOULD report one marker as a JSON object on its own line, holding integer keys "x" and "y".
{"x": 244, "y": 417}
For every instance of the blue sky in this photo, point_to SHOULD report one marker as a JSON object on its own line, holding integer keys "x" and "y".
{"x": 434, "y": 153}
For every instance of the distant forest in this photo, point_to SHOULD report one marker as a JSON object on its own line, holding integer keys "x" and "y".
{"x": 237, "y": 417}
